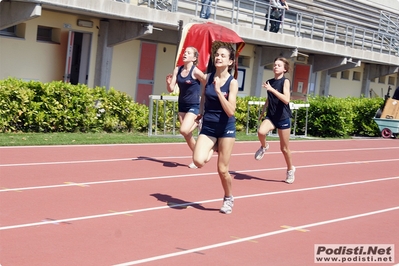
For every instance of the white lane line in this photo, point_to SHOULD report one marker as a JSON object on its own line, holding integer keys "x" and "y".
{"x": 193, "y": 203}
{"x": 178, "y": 143}
{"x": 190, "y": 175}
{"x": 91, "y": 145}
{"x": 250, "y": 238}
{"x": 181, "y": 157}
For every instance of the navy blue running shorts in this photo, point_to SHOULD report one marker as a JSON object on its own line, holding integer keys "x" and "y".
{"x": 282, "y": 124}
{"x": 217, "y": 130}
{"x": 189, "y": 108}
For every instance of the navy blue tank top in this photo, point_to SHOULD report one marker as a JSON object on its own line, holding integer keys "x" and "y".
{"x": 276, "y": 109}
{"x": 189, "y": 88}
{"x": 213, "y": 108}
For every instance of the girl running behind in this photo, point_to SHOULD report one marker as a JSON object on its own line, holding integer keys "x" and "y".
{"x": 278, "y": 115}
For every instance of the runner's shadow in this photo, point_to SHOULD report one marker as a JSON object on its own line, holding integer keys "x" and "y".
{"x": 240, "y": 176}
{"x": 165, "y": 163}
{"x": 179, "y": 204}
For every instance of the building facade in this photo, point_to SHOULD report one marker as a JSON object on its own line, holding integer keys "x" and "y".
{"x": 131, "y": 46}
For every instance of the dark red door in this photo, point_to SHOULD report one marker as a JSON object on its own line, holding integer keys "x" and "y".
{"x": 145, "y": 81}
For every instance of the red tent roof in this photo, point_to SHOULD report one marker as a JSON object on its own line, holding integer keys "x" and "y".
{"x": 202, "y": 36}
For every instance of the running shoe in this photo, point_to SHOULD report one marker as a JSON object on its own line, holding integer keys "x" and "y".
{"x": 228, "y": 203}
{"x": 259, "y": 153}
{"x": 192, "y": 166}
{"x": 290, "y": 176}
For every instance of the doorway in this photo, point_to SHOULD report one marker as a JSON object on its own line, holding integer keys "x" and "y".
{"x": 301, "y": 82}
{"x": 145, "y": 81}
{"x": 78, "y": 58}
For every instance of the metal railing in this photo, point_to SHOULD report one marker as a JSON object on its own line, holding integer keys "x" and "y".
{"x": 300, "y": 24}
{"x": 389, "y": 26}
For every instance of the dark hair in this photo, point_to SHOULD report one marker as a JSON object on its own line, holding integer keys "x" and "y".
{"x": 232, "y": 54}
{"x": 286, "y": 63}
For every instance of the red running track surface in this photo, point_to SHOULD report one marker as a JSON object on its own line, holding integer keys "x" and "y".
{"x": 142, "y": 205}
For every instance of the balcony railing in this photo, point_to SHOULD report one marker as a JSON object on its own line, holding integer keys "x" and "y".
{"x": 306, "y": 25}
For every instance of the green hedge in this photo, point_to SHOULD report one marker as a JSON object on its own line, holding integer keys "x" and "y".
{"x": 61, "y": 107}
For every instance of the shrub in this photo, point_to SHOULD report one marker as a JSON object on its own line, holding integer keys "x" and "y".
{"x": 61, "y": 107}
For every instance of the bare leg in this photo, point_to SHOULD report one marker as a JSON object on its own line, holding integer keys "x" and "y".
{"x": 263, "y": 130}
{"x": 187, "y": 125}
{"x": 202, "y": 149}
{"x": 225, "y": 147}
{"x": 284, "y": 135}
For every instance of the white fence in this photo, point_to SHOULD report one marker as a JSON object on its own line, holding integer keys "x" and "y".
{"x": 158, "y": 111}
{"x": 294, "y": 108}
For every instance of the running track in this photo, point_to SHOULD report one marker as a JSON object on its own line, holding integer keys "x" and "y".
{"x": 141, "y": 204}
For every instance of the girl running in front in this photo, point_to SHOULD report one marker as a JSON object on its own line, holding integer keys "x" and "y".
{"x": 217, "y": 108}
{"x": 188, "y": 78}
{"x": 278, "y": 114}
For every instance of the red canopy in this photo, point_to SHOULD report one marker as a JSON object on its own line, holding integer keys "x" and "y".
{"x": 202, "y": 36}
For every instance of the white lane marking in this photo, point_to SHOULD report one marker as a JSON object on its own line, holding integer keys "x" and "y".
{"x": 191, "y": 203}
{"x": 180, "y": 157}
{"x": 178, "y": 143}
{"x": 231, "y": 242}
{"x": 189, "y": 175}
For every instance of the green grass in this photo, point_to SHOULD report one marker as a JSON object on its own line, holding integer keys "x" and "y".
{"x": 34, "y": 139}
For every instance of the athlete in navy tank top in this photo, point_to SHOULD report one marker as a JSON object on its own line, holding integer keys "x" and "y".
{"x": 218, "y": 100}
{"x": 276, "y": 109}
{"x": 213, "y": 108}
{"x": 278, "y": 115}
{"x": 188, "y": 78}
{"x": 189, "y": 91}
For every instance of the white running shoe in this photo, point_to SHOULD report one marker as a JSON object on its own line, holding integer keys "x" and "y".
{"x": 290, "y": 176}
{"x": 228, "y": 203}
{"x": 261, "y": 151}
{"x": 192, "y": 166}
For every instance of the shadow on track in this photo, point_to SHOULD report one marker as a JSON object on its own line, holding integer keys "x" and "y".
{"x": 164, "y": 163}
{"x": 179, "y": 204}
{"x": 240, "y": 176}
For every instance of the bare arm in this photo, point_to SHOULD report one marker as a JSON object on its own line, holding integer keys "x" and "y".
{"x": 285, "y": 96}
{"x": 262, "y": 114}
{"x": 198, "y": 74}
{"x": 286, "y": 6}
{"x": 171, "y": 80}
{"x": 202, "y": 101}
{"x": 228, "y": 105}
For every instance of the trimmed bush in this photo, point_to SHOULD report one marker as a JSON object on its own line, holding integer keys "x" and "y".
{"x": 62, "y": 107}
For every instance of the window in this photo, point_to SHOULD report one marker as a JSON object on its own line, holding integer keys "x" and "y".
{"x": 241, "y": 79}
{"x": 345, "y": 74}
{"x": 44, "y": 33}
{"x": 10, "y": 31}
{"x": 17, "y": 31}
{"x": 381, "y": 80}
{"x": 391, "y": 80}
{"x": 356, "y": 75}
{"x": 48, "y": 34}
{"x": 333, "y": 75}
{"x": 244, "y": 61}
